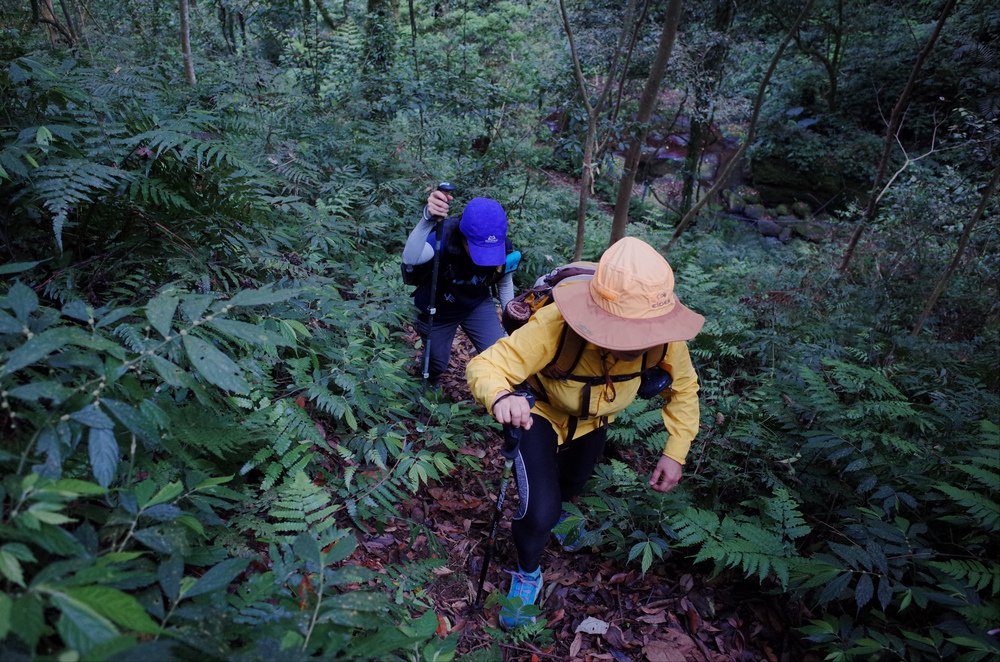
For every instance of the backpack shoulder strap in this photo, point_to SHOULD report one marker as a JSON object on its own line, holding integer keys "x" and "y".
{"x": 654, "y": 356}
{"x": 568, "y": 354}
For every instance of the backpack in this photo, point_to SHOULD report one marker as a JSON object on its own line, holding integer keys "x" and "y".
{"x": 519, "y": 310}
{"x": 417, "y": 275}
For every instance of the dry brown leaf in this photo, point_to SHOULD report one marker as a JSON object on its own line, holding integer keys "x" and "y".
{"x": 661, "y": 651}
{"x": 574, "y": 647}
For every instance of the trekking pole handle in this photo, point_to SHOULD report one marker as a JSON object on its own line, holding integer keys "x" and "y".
{"x": 448, "y": 189}
{"x": 512, "y": 435}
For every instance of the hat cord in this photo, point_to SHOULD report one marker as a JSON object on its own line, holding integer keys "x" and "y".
{"x": 609, "y": 383}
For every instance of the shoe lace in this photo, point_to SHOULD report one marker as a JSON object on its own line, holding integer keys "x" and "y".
{"x": 525, "y": 586}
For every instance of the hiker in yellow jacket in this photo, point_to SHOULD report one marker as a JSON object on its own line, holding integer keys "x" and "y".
{"x": 623, "y": 314}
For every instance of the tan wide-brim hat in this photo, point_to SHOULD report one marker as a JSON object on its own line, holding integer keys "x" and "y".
{"x": 630, "y": 303}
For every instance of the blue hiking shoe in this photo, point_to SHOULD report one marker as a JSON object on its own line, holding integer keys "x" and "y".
{"x": 570, "y": 540}
{"x": 525, "y": 588}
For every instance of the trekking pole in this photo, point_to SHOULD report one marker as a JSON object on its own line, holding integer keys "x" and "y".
{"x": 511, "y": 440}
{"x": 438, "y": 231}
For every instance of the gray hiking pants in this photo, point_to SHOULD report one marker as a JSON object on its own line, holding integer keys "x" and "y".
{"x": 481, "y": 324}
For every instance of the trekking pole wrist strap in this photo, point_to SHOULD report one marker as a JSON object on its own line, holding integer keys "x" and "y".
{"x": 527, "y": 395}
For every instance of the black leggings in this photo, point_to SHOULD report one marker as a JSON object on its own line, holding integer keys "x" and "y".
{"x": 548, "y": 474}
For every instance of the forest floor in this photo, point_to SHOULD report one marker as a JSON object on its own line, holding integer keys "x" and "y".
{"x": 675, "y": 612}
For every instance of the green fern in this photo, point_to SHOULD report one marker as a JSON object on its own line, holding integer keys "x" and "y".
{"x": 983, "y": 510}
{"x": 301, "y": 506}
{"x": 62, "y": 186}
{"x": 976, "y": 574}
{"x": 291, "y": 434}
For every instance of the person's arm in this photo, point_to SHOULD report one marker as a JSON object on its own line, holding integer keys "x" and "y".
{"x": 417, "y": 249}
{"x": 505, "y": 289}
{"x": 681, "y": 415}
{"x": 509, "y": 361}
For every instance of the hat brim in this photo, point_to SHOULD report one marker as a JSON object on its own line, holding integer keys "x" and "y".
{"x": 603, "y": 329}
{"x": 488, "y": 256}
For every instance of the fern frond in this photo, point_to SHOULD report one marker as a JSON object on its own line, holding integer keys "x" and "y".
{"x": 975, "y": 574}
{"x": 982, "y": 509}
{"x": 301, "y": 506}
{"x": 64, "y": 185}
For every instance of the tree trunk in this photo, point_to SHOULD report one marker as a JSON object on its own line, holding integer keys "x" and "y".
{"x": 723, "y": 176}
{"x": 594, "y": 111}
{"x": 701, "y": 119}
{"x": 895, "y": 121}
{"x": 380, "y": 49}
{"x": 43, "y": 12}
{"x": 647, "y": 103}
{"x": 186, "y": 45}
{"x": 70, "y": 28}
{"x": 963, "y": 242}
{"x": 327, "y": 16}
{"x": 416, "y": 77}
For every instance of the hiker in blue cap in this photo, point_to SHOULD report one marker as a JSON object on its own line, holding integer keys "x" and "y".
{"x": 477, "y": 262}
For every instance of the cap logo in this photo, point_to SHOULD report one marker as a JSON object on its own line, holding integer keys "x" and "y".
{"x": 492, "y": 239}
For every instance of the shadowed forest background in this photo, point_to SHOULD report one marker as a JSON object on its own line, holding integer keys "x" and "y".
{"x": 215, "y": 443}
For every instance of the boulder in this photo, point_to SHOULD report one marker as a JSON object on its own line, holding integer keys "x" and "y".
{"x": 811, "y": 231}
{"x": 802, "y": 209}
{"x": 785, "y": 236}
{"x": 768, "y": 228}
{"x": 755, "y": 211}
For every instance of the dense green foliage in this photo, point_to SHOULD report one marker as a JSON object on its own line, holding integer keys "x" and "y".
{"x": 206, "y": 394}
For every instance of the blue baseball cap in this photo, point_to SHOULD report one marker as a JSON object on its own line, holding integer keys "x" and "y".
{"x": 484, "y": 224}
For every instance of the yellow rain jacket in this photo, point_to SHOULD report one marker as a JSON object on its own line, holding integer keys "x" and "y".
{"x": 512, "y": 360}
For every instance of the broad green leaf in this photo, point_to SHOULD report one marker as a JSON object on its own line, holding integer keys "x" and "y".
{"x": 27, "y": 619}
{"x": 6, "y": 605}
{"x": 195, "y": 305}
{"x": 10, "y": 325}
{"x": 864, "y": 591}
{"x": 212, "y": 482}
{"x": 104, "y": 455}
{"x": 75, "y": 487}
{"x": 78, "y": 310}
{"x": 170, "y": 373}
{"x": 342, "y": 548}
{"x": 884, "y": 591}
{"x": 134, "y": 421}
{"x": 114, "y": 316}
{"x": 118, "y": 607}
{"x": 80, "y": 626}
{"x": 18, "y": 267}
{"x": 93, "y": 417}
{"x": 257, "y": 297}
{"x": 190, "y": 522}
{"x": 168, "y": 492}
{"x": 170, "y": 573}
{"x": 10, "y": 568}
{"x": 160, "y": 312}
{"x": 43, "y": 136}
{"x": 250, "y": 333}
{"x": 49, "y": 516}
{"x": 163, "y": 539}
{"x": 22, "y": 300}
{"x": 39, "y": 347}
{"x": 214, "y": 366}
{"x": 307, "y": 548}
{"x": 41, "y": 390}
{"x": 217, "y": 577}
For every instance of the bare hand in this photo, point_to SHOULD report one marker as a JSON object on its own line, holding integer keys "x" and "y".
{"x": 437, "y": 203}
{"x": 666, "y": 475}
{"x": 513, "y": 410}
